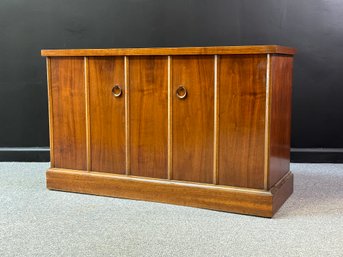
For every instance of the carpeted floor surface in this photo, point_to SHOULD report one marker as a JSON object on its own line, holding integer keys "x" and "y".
{"x": 37, "y": 222}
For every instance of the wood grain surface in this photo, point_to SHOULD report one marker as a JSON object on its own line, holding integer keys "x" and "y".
{"x": 148, "y": 118}
{"x": 68, "y": 108}
{"x": 242, "y": 99}
{"x": 282, "y": 190}
{"x": 256, "y": 49}
{"x": 193, "y": 118}
{"x": 107, "y": 114}
{"x": 247, "y": 201}
{"x": 280, "y": 125}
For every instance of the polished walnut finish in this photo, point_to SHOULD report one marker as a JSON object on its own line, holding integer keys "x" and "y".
{"x": 192, "y": 145}
{"x": 148, "y": 112}
{"x": 107, "y": 129}
{"x": 232, "y": 199}
{"x": 242, "y": 103}
{"x": 207, "y": 127}
{"x": 69, "y": 114}
{"x": 280, "y": 108}
{"x": 212, "y": 50}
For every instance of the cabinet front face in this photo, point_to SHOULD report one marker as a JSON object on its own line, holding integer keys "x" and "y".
{"x": 107, "y": 114}
{"x": 162, "y": 123}
{"x": 192, "y": 118}
{"x": 69, "y": 117}
{"x": 148, "y": 116}
{"x": 242, "y": 108}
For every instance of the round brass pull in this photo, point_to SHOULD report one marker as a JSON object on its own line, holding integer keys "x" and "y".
{"x": 116, "y": 91}
{"x": 181, "y": 92}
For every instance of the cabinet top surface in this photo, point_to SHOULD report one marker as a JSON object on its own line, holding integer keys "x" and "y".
{"x": 256, "y": 49}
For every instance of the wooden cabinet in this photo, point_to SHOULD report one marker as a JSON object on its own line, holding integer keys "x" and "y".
{"x": 207, "y": 127}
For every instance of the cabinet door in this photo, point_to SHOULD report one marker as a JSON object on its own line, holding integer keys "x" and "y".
{"x": 192, "y": 118}
{"x": 107, "y": 114}
{"x": 242, "y": 101}
{"x": 68, "y": 113}
{"x": 148, "y": 116}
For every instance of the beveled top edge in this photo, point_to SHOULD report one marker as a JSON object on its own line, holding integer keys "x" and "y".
{"x": 209, "y": 50}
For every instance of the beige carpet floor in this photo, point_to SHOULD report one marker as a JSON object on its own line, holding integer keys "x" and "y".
{"x": 37, "y": 222}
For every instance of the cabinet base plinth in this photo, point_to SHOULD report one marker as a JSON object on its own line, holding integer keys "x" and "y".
{"x": 215, "y": 197}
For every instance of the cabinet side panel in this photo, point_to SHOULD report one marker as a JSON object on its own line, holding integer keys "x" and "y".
{"x": 280, "y": 130}
{"x": 148, "y": 116}
{"x": 107, "y": 114}
{"x": 68, "y": 108}
{"x": 193, "y": 118}
{"x": 242, "y": 103}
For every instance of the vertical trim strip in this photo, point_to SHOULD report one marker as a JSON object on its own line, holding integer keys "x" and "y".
{"x": 51, "y": 126}
{"x": 127, "y": 117}
{"x": 170, "y": 134}
{"x": 267, "y": 126}
{"x": 88, "y": 134}
{"x": 216, "y": 121}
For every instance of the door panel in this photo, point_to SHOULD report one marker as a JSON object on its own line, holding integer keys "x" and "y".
{"x": 148, "y": 115}
{"x": 193, "y": 118}
{"x": 68, "y": 108}
{"x": 107, "y": 114}
{"x": 242, "y": 99}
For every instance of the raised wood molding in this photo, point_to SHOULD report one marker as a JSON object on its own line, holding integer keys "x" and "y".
{"x": 87, "y": 111}
{"x": 267, "y": 125}
{"x": 207, "y": 196}
{"x": 127, "y": 117}
{"x": 170, "y": 125}
{"x": 211, "y": 50}
{"x": 216, "y": 122}
{"x": 51, "y": 131}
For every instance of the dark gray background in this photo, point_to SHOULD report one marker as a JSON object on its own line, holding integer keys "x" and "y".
{"x": 314, "y": 27}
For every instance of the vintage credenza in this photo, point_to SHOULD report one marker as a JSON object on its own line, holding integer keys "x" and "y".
{"x": 205, "y": 127}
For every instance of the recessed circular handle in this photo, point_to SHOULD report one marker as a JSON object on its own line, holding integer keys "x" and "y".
{"x": 116, "y": 91}
{"x": 181, "y": 92}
